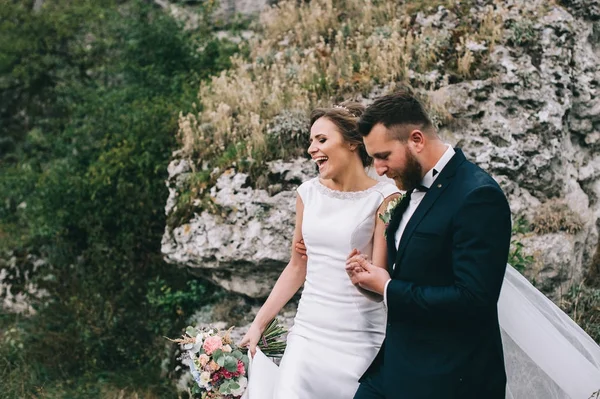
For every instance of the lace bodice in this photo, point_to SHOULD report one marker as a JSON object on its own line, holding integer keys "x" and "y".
{"x": 381, "y": 187}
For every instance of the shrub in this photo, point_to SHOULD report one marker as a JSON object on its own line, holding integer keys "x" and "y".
{"x": 554, "y": 216}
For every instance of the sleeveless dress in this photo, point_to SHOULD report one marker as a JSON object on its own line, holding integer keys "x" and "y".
{"x": 337, "y": 331}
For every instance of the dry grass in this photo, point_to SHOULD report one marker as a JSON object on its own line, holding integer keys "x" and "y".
{"x": 413, "y": 7}
{"x": 320, "y": 53}
{"x": 554, "y": 216}
{"x": 465, "y": 58}
{"x": 582, "y": 304}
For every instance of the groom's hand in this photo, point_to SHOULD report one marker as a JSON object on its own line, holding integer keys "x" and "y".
{"x": 365, "y": 274}
{"x": 300, "y": 247}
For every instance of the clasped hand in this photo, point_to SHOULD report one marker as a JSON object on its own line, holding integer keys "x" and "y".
{"x": 364, "y": 274}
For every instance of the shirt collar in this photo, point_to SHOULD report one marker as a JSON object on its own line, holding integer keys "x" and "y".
{"x": 430, "y": 177}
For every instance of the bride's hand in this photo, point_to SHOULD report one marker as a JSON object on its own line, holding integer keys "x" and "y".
{"x": 251, "y": 339}
{"x": 356, "y": 268}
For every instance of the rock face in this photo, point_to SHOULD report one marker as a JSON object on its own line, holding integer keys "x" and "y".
{"x": 245, "y": 248}
{"x": 534, "y": 125}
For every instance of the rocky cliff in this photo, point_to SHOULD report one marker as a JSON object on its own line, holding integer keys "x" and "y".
{"x": 521, "y": 99}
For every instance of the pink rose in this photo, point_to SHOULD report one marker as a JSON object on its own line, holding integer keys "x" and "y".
{"x": 211, "y": 344}
{"x": 241, "y": 370}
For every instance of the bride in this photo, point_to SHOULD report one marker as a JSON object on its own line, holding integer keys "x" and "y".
{"x": 337, "y": 330}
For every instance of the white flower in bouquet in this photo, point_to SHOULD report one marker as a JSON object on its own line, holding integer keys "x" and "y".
{"x": 204, "y": 378}
{"x": 243, "y": 383}
{"x": 194, "y": 347}
{"x": 197, "y": 344}
{"x": 226, "y": 348}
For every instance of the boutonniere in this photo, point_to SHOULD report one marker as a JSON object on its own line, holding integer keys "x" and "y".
{"x": 386, "y": 215}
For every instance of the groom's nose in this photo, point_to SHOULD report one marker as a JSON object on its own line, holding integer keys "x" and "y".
{"x": 380, "y": 167}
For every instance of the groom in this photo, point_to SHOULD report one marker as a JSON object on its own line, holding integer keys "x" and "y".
{"x": 448, "y": 243}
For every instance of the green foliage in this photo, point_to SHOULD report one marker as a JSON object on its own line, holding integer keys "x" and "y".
{"x": 523, "y": 34}
{"x": 166, "y": 300}
{"x": 90, "y": 97}
{"x": 516, "y": 257}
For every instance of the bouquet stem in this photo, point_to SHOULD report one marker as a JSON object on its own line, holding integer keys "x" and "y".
{"x": 270, "y": 343}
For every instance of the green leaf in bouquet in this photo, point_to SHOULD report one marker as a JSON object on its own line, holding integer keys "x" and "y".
{"x": 234, "y": 385}
{"x": 224, "y": 388}
{"x": 230, "y": 363}
{"x": 191, "y": 331}
{"x": 217, "y": 354}
{"x": 237, "y": 354}
{"x": 221, "y": 361}
{"x": 246, "y": 361}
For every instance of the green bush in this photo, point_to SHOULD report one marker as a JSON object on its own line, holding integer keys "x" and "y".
{"x": 95, "y": 90}
{"x": 516, "y": 257}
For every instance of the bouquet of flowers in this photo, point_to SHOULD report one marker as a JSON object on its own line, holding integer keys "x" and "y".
{"x": 217, "y": 365}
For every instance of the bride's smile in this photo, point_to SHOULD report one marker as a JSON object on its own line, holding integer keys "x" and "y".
{"x": 320, "y": 161}
{"x": 328, "y": 149}
{"x": 337, "y": 159}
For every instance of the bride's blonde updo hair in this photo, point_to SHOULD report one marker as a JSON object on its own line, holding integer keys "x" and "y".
{"x": 345, "y": 116}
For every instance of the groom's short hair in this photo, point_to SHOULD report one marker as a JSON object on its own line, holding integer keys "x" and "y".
{"x": 395, "y": 110}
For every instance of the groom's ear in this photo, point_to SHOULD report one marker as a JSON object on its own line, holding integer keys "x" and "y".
{"x": 416, "y": 139}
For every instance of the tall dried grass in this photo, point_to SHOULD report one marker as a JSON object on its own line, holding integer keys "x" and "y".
{"x": 317, "y": 53}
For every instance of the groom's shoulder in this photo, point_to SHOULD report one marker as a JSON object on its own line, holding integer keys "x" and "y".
{"x": 472, "y": 177}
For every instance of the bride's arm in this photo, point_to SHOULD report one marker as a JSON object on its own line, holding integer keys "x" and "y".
{"x": 288, "y": 283}
{"x": 379, "y": 257}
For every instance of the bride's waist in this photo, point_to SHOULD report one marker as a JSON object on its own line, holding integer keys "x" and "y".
{"x": 333, "y": 307}
{"x": 332, "y": 295}
{"x": 341, "y": 324}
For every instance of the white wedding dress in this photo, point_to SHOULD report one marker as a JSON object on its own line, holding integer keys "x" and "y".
{"x": 337, "y": 332}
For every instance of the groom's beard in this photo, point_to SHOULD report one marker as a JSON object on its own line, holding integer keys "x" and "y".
{"x": 410, "y": 177}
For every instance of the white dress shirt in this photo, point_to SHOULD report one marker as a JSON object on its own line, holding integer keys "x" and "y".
{"x": 416, "y": 198}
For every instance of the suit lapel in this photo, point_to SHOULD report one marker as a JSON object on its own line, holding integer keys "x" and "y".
{"x": 435, "y": 191}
